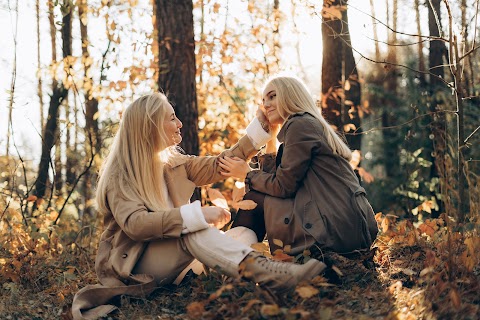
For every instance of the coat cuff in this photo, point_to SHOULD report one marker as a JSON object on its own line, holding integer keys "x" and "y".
{"x": 193, "y": 219}
{"x": 257, "y": 135}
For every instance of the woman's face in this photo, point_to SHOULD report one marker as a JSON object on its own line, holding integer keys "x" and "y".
{"x": 270, "y": 104}
{"x": 172, "y": 127}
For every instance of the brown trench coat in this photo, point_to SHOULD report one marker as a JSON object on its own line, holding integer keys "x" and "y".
{"x": 130, "y": 225}
{"x": 313, "y": 195}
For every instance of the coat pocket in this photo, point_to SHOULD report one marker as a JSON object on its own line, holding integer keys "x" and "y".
{"x": 316, "y": 224}
{"x": 364, "y": 212}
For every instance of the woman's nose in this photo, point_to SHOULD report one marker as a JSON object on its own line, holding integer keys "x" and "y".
{"x": 179, "y": 123}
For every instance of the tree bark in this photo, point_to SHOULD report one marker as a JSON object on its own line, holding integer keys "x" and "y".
{"x": 437, "y": 52}
{"x": 421, "y": 60}
{"x": 93, "y": 140}
{"x": 177, "y": 65}
{"x": 340, "y": 85}
{"x": 39, "y": 86}
{"x": 391, "y": 139}
{"x": 58, "y": 95}
{"x": 375, "y": 33}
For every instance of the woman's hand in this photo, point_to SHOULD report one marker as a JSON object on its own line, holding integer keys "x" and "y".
{"x": 272, "y": 128}
{"x": 216, "y": 216}
{"x": 234, "y": 167}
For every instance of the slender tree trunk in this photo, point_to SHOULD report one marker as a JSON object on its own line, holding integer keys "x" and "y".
{"x": 58, "y": 95}
{"x": 391, "y": 137}
{"x": 340, "y": 85}
{"x": 93, "y": 141}
{"x": 12, "y": 83}
{"x": 39, "y": 68}
{"x": 375, "y": 33}
{"x": 421, "y": 60}
{"x": 177, "y": 65}
{"x": 437, "y": 51}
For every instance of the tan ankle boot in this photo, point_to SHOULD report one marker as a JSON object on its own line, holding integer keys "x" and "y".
{"x": 277, "y": 276}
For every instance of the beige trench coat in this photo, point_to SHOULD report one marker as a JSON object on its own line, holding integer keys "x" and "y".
{"x": 313, "y": 196}
{"x": 130, "y": 225}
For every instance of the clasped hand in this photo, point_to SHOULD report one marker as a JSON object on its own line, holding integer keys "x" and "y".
{"x": 216, "y": 216}
{"x": 234, "y": 167}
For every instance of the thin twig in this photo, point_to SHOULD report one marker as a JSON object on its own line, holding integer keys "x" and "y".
{"x": 354, "y": 133}
{"x": 471, "y": 134}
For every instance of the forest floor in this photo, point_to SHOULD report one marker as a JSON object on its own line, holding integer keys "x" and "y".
{"x": 415, "y": 272}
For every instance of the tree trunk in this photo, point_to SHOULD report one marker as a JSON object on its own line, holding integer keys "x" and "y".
{"x": 375, "y": 33}
{"x": 438, "y": 121}
{"x": 93, "y": 141}
{"x": 421, "y": 60}
{"x": 340, "y": 85}
{"x": 58, "y": 95}
{"x": 12, "y": 84}
{"x": 391, "y": 139}
{"x": 39, "y": 68}
{"x": 177, "y": 65}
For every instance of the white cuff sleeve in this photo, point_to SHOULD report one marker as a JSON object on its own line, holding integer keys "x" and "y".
{"x": 193, "y": 219}
{"x": 257, "y": 135}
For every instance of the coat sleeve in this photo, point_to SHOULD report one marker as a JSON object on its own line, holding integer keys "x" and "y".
{"x": 300, "y": 146}
{"x": 205, "y": 170}
{"x": 139, "y": 223}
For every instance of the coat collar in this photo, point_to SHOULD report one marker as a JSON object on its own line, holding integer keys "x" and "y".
{"x": 281, "y": 133}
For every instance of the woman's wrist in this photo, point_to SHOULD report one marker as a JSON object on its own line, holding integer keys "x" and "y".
{"x": 265, "y": 125}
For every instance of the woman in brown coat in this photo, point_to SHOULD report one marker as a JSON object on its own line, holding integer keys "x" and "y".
{"x": 152, "y": 232}
{"x": 308, "y": 195}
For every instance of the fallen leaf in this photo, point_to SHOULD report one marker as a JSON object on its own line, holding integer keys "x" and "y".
{"x": 269, "y": 310}
{"x": 306, "y": 291}
{"x": 195, "y": 310}
{"x": 278, "y": 242}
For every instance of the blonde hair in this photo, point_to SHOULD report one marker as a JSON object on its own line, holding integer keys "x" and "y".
{"x": 292, "y": 97}
{"x": 138, "y": 155}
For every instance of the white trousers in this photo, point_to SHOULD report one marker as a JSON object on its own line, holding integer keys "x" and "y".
{"x": 166, "y": 259}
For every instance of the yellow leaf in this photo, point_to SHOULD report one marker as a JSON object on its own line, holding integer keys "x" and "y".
{"x": 278, "y": 242}
{"x": 426, "y": 271}
{"x": 280, "y": 255}
{"x": 96, "y": 115}
{"x": 337, "y": 271}
{"x": 306, "y": 291}
{"x": 269, "y": 310}
{"x": 348, "y": 127}
{"x": 217, "y": 198}
{"x": 385, "y": 225}
{"x": 238, "y": 191}
{"x": 245, "y": 205}
{"x": 347, "y": 85}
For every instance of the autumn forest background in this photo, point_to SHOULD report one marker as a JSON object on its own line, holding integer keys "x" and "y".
{"x": 399, "y": 79}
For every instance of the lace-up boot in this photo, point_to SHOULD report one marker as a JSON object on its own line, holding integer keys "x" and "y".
{"x": 277, "y": 276}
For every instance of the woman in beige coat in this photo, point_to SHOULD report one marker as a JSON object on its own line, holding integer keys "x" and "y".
{"x": 308, "y": 195}
{"x": 152, "y": 232}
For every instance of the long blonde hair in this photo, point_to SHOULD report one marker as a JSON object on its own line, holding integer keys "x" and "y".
{"x": 138, "y": 155}
{"x": 293, "y": 97}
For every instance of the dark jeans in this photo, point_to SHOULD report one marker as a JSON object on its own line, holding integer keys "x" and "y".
{"x": 252, "y": 219}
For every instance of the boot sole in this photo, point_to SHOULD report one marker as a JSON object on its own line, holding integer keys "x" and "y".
{"x": 313, "y": 268}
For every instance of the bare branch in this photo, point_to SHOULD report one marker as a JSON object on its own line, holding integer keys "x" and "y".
{"x": 354, "y": 133}
{"x": 391, "y": 63}
{"x": 471, "y": 135}
{"x": 399, "y": 32}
